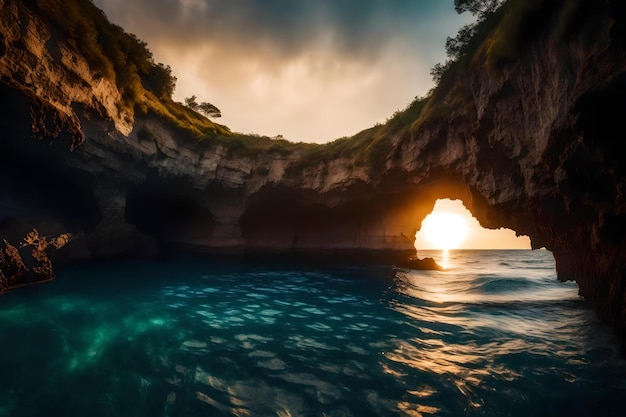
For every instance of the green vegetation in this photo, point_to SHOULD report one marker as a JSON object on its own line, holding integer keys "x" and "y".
{"x": 185, "y": 120}
{"x": 145, "y": 86}
{"x": 113, "y": 53}
{"x": 501, "y": 31}
{"x": 469, "y": 36}
{"x": 252, "y": 144}
{"x": 402, "y": 119}
{"x": 208, "y": 109}
{"x": 371, "y": 147}
{"x": 497, "y": 37}
{"x": 496, "y": 40}
{"x": 501, "y": 42}
{"x": 122, "y": 58}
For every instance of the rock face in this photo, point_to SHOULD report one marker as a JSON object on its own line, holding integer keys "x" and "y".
{"x": 529, "y": 141}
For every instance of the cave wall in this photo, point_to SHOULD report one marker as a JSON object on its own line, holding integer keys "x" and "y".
{"x": 533, "y": 144}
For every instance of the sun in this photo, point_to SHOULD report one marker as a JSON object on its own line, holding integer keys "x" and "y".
{"x": 444, "y": 230}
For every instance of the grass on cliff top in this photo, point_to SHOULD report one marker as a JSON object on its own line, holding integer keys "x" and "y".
{"x": 182, "y": 118}
{"x": 189, "y": 123}
{"x": 195, "y": 126}
{"x": 369, "y": 148}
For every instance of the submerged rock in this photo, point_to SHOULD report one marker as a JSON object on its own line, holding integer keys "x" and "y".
{"x": 427, "y": 264}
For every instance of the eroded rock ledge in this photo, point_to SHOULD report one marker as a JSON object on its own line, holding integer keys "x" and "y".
{"x": 532, "y": 143}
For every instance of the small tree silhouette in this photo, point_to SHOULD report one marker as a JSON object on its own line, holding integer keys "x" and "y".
{"x": 479, "y": 8}
{"x": 208, "y": 109}
{"x": 192, "y": 103}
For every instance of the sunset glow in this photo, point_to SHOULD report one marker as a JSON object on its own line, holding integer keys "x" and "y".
{"x": 445, "y": 230}
{"x": 452, "y": 226}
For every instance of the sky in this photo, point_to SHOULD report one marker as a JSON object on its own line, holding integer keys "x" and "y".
{"x": 310, "y": 70}
{"x": 476, "y": 236}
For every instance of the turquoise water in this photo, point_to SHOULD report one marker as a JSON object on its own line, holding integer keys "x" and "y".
{"x": 493, "y": 335}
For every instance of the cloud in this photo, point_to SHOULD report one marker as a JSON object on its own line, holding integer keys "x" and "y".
{"x": 311, "y": 70}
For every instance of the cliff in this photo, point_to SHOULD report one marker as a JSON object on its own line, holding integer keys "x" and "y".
{"x": 525, "y": 130}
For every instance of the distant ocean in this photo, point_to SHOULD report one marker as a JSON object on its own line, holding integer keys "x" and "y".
{"x": 494, "y": 335}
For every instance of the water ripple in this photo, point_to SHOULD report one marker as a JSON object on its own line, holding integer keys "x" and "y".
{"x": 496, "y": 334}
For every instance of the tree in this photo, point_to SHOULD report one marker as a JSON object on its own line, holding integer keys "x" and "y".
{"x": 205, "y": 108}
{"x": 209, "y": 110}
{"x": 192, "y": 103}
{"x": 161, "y": 81}
{"x": 479, "y": 8}
{"x": 455, "y": 47}
{"x": 438, "y": 70}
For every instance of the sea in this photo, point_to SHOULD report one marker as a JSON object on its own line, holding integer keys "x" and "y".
{"x": 494, "y": 334}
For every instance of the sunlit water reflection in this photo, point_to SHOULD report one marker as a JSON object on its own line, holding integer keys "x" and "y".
{"x": 495, "y": 334}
